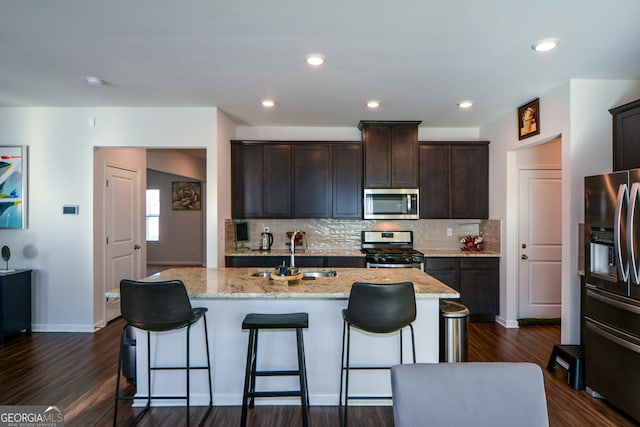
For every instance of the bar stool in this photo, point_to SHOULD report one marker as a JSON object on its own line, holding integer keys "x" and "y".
{"x": 375, "y": 308}
{"x": 158, "y": 307}
{"x": 254, "y": 322}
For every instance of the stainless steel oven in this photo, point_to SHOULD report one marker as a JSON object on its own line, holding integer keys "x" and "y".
{"x": 391, "y": 249}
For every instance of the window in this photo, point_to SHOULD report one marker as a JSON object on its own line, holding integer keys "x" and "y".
{"x": 153, "y": 215}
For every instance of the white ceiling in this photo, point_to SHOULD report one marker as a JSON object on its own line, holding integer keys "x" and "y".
{"x": 419, "y": 57}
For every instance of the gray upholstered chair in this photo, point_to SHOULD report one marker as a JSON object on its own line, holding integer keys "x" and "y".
{"x": 468, "y": 394}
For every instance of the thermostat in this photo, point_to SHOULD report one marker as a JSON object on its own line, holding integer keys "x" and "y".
{"x": 70, "y": 210}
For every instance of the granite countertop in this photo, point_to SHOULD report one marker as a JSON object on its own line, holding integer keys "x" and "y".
{"x": 358, "y": 253}
{"x": 238, "y": 283}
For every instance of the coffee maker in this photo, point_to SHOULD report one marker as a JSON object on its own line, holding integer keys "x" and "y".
{"x": 266, "y": 240}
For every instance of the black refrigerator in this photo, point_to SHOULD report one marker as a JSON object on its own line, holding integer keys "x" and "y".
{"x": 611, "y": 306}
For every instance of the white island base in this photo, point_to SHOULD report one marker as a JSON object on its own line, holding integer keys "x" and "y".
{"x": 277, "y": 350}
{"x": 231, "y": 293}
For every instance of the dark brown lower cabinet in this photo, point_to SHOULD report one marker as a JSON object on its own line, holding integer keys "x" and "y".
{"x": 15, "y": 303}
{"x": 476, "y": 278}
{"x": 301, "y": 261}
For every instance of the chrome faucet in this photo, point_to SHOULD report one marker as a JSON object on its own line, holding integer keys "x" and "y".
{"x": 292, "y": 263}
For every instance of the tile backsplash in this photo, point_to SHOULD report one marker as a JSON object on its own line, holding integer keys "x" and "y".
{"x": 345, "y": 234}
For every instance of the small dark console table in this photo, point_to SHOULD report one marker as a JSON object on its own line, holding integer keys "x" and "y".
{"x": 15, "y": 302}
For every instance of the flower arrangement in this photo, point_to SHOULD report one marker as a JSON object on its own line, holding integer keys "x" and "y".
{"x": 472, "y": 243}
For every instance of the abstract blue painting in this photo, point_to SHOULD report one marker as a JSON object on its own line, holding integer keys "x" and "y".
{"x": 12, "y": 186}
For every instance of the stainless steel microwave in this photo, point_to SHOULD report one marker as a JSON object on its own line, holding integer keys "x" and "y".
{"x": 391, "y": 203}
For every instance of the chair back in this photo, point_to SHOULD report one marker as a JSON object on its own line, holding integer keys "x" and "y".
{"x": 469, "y": 394}
{"x": 155, "y": 306}
{"x": 381, "y": 308}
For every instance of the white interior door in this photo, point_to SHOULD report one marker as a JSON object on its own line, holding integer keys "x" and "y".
{"x": 122, "y": 229}
{"x": 540, "y": 235}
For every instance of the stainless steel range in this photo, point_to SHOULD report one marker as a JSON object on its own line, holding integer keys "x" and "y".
{"x": 391, "y": 249}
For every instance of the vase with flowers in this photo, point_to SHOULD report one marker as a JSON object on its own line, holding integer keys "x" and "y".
{"x": 472, "y": 243}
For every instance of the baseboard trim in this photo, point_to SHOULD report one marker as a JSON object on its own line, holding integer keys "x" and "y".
{"x": 62, "y": 328}
{"x": 509, "y": 324}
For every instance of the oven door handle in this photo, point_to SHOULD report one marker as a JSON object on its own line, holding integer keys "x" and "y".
{"x": 375, "y": 265}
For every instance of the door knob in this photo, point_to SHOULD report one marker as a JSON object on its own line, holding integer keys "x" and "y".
{"x": 524, "y": 246}
{"x": 524, "y": 256}
{"x": 136, "y": 247}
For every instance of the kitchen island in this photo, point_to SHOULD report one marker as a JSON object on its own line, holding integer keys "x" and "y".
{"x": 231, "y": 293}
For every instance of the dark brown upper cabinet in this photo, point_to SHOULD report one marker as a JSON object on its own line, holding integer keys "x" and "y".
{"x": 261, "y": 181}
{"x": 273, "y": 179}
{"x": 390, "y": 153}
{"x": 454, "y": 180}
{"x": 347, "y": 180}
{"x": 626, "y": 136}
{"x": 311, "y": 181}
{"x": 246, "y": 180}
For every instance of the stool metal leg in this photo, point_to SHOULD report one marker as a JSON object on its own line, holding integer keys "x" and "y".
{"x": 254, "y": 369}
{"x": 346, "y": 367}
{"x": 413, "y": 343}
{"x": 206, "y": 341}
{"x": 115, "y": 410}
{"x": 247, "y": 377}
{"x": 188, "y": 373}
{"x": 304, "y": 392}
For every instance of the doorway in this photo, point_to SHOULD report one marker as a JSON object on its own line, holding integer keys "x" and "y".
{"x": 540, "y": 232}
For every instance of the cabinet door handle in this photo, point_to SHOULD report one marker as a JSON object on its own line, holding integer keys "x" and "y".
{"x": 524, "y": 256}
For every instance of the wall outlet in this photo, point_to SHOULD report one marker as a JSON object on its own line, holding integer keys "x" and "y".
{"x": 265, "y": 229}
{"x": 449, "y": 231}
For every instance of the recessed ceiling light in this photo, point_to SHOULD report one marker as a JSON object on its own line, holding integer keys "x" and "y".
{"x": 373, "y": 104}
{"x": 314, "y": 59}
{"x": 465, "y": 104}
{"x": 545, "y": 45}
{"x": 268, "y": 103}
{"x": 95, "y": 81}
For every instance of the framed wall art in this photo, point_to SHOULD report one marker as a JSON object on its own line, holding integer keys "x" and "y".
{"x": 185, "y": 196}
{"x": 529, "y": 119}
{"x": 13, "y": 187}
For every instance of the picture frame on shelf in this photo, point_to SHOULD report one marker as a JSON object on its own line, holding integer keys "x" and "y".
{"x": 529, "y": 119}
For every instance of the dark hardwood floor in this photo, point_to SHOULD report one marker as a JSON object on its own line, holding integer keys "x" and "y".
{"x": 77, "y": 373}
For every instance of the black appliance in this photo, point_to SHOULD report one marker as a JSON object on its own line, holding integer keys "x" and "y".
{"x": 612, "y": 289}
{"x": 390, "y": 249}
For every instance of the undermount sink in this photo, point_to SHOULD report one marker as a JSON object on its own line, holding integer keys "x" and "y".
{"x": 319, "y": 273}
{"x": 309, "y": 274}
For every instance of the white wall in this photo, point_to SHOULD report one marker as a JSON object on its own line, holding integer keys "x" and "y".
{"x": 61, "y": 152}
{"x": 226, "y": 132}
{"x": 578, "y": 112}
{"x": 177, "y": 162}
{"x": 346, "y": 133}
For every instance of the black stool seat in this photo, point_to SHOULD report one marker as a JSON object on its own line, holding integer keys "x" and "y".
{"x": 276, "y": 321}
{"x": 254, "y": 322}
{"x": 570, "y": 358}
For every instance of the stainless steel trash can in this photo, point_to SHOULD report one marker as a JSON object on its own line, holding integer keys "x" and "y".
{"x": 454, "y": 319}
